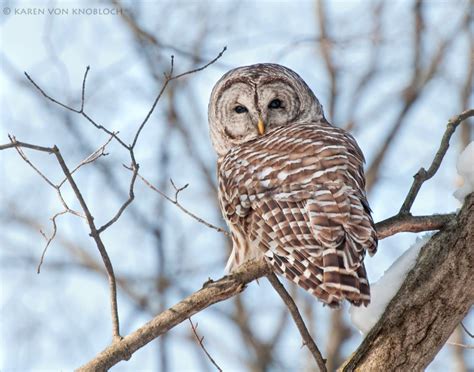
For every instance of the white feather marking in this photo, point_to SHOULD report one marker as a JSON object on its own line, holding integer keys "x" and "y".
{"x": 282, "y": 175}
{"x": 265, "y": 172}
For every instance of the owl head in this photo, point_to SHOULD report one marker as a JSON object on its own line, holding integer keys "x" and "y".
{"x": 250, "y": 101}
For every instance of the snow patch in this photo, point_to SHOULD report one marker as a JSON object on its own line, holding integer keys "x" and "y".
{"x": 465, "y": 167}
{"x": 382, "y": 291}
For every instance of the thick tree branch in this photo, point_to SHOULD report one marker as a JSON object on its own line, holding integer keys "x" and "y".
{"x": 435, "y": 297}
{"x": 211, "y": 293}
{"x": 408, "y": 223}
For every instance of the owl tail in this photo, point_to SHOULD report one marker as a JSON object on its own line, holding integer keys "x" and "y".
{"x": 343, "y": 283}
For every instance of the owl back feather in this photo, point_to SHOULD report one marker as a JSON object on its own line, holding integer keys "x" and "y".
{"x": 296, "y": 197}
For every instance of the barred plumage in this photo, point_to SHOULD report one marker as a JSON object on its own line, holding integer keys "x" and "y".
{"x": 295, "y": 194}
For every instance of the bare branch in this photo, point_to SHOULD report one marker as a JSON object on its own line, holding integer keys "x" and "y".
{"x": 414, "y": 224}
{"x": 307, "y": 339}
{"x": 14, "y": 144}
{"x": 25, "y": 158}
{"x": 211, "y": 293}
{"x": 202, "y": 67}
{"x": 90, "y": 159}
{"x": 155, "y": 102}
{"x": 177, "y": 190}
{"x": 168, "y": 78}
{"x": 201, "y": 344}
{"x": 134, "y": 165}
{"x": 51, "y": 98}
{"x": 94, "y": 231}
{"x": 424, "y": 175}
{"x": 90, "y": 220}
{"x": 100, "y": 245}
{"x": 461, "y": 345}
{"x": 131, "y": 196}
{"x": 81, "y": 110}
{"x": 50, "y": 239}
{"x": 83, "y": 91}
{"x": 177, "y": 203}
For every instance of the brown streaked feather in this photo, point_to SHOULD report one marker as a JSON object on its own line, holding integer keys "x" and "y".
{"x": 297, "y": 194}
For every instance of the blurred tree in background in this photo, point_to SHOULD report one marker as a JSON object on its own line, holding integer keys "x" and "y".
{"x": 392, "y": 73}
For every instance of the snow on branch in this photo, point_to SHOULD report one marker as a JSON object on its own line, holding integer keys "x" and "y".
{"x": 383, "y": 290}
{"x": 465, "y": 167}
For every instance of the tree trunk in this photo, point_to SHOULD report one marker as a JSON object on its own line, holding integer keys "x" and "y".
{"x": 435, "y": 297}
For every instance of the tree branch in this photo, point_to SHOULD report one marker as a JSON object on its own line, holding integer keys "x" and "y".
{"x": 307, "y": 339}
{"x": 423, "y": 174}
{"x": 201, "y": 344}
{"x": 176, "y": 202}
{"x": 211, "y": 293}
{"x": 414, "y": 224}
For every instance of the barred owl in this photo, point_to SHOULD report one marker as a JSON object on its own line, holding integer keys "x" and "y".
{"x": 291, "y": 186}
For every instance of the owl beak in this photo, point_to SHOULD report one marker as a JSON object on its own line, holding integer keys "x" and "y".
{"x": 261, "y": 127}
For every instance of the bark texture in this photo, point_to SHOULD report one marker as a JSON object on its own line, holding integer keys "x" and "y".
{"x": 211, "y": 293}
{"x": 435, "y": 297}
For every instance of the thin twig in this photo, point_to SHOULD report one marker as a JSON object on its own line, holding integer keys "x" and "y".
{"x": 202, "y": 67}
{"x": 461, "y": 345}
{"x": 90, "y": 159}
{"x": 25, "y": 158}
{"x": 466, "y": 330}
{"x": 50, "y": 239}
{"x": 178, "y": 204}
{"x": 201, "y": 343}
{"x": 17, "y": 143}
{"x": 423, "y": 174}
{"x": 49, "y": 97}
{"x": 308, "y": 340}
{"x": 81, "y": 110}
{"x": 131, "y": 195}
{"x": 407, "y": 223}
{"x": 155, "y": 102}
{"x": 83, "y": 91}
{"x": 90, "y": 220}
{"x": 168, "y": 78}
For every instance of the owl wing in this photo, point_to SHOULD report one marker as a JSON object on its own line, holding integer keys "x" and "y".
{"x": 298, "y": 195}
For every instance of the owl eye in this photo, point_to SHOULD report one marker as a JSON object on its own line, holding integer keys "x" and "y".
{"x": 240, "y": 109}
{"x": 276, "y": 103}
